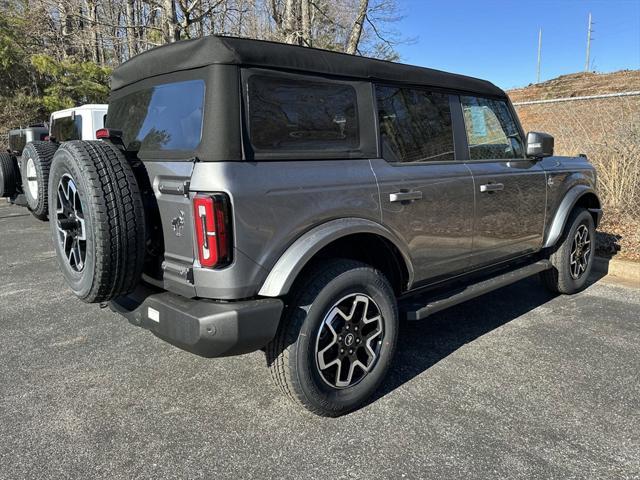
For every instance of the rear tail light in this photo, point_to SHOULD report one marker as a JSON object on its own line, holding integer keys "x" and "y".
{"x": 213, "y": 229}
{"x": 108, "y": 134}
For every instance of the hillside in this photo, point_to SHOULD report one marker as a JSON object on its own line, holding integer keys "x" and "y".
{"x": 579, "y": 84}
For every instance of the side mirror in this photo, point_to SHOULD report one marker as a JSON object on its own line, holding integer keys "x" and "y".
{"x": 539, "y": 145}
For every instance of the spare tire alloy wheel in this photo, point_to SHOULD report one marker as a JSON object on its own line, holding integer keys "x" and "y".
{"x": 70, "y": 222}
{"x": 32, "y": 179}
{"x": 349, "y": 340}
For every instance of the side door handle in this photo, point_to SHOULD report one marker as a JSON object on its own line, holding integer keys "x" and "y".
{"x": 405, "y": 196}
{"x": 491, "y": 187}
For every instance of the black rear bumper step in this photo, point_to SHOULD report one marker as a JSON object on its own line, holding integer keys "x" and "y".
{"x": 420, "y": 307}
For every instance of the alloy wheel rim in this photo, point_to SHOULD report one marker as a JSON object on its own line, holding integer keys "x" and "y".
{"x": 580, "y": 252}
{"x": 32, "y": 179}
{"x": 349, "y": 341}
{"x": 70, "y": 223}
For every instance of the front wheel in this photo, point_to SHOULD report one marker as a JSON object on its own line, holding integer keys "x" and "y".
{"x": 572, "y": 258}
{"x": 336, "y": 339}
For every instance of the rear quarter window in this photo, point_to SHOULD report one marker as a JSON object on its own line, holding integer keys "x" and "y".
{"x": 291, "y": 114}
{"x": 163, "y": 117}
{"x": 64, "y": 129}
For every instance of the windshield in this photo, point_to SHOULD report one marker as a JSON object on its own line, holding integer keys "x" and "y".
{"x": 164, "y": 117}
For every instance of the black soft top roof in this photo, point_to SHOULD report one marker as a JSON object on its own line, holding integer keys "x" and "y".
{"x": 188, "y": 54}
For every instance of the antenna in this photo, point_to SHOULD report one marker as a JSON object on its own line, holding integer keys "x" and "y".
{"x": 589, "y": 31}
{"x": 539, "y": 55}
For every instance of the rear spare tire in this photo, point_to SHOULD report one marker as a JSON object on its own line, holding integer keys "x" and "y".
{"x": 97, "y": 220}
{"x": 36, "y": 161}
{"x": 9, "y": 175}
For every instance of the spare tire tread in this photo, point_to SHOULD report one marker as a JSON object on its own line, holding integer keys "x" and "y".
{"x": 9, "y": 175}
{"x": 119, "y": 221}
{"x": 46, "y": 151}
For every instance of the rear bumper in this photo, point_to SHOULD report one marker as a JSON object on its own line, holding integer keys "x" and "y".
{"x": 204, "y": 327}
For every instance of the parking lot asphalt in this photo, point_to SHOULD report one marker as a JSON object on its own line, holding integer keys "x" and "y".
{"x": 515, "y": 384}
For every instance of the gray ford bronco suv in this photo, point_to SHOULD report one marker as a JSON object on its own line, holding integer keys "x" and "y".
{"x": 249, "y": 195}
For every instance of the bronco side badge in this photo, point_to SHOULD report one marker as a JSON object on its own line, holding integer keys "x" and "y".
{"x": 177, "y": 223}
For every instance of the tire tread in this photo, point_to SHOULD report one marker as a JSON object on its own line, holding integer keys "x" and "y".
{"x": 119, "y": 230}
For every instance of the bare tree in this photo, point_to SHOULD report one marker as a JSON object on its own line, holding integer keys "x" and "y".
{"x": 356, "y": 30}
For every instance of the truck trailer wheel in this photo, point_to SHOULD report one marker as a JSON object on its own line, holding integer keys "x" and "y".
{"x": 36, "y": 161}
{"x": 336, "y": 338}
{"x": 9, "y": 175}
{"x": 97, "y": 220}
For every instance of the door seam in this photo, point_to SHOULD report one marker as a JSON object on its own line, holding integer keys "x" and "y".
{"x": 375, "y": 177}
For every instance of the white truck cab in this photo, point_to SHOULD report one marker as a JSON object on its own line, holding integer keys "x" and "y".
{"x": 79, "y": 123}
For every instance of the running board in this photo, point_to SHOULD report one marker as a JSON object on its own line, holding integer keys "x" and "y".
{"x": 420, "y": 308}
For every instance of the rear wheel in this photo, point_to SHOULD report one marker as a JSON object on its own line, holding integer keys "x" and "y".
{"x": 572, "y": 258}
{"x": 9, "y": 175}
{"x": 336, "y": 339}
{"x": 97, "y": 220}
{"x": 36, "y": 162}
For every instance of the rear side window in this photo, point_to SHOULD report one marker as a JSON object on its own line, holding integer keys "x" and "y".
{"x": 66, "y": 128}
{"x": 163, "y": 117}
{"x": 415, "y": 125}
{"x": 492, "y": 132}
{"x": 293, "y": 114}
{"x": 17, "y": 140}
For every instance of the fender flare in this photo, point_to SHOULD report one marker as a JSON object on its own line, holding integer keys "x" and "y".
{"x": 293, "y": 260}
{"x": 564, "y": 209}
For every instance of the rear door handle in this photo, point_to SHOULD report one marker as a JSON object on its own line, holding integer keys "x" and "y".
{"x": 405, "y": 196}
{"x": 492, "y": 187}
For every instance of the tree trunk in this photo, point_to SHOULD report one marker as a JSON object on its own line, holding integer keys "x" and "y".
{"x": 92, "y": 11}
{"x": 306, "y": 24}
{"x": 171, "y": 29}
{"x": 356, "y": 30}
{"x": 291, "y": 21}
{"x": 130, "y": 23}
{"x": 66, "y": 28}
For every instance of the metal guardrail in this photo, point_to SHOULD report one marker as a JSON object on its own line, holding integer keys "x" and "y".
{"x": 572, "y": 99}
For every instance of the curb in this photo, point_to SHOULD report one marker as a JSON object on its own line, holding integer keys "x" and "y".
{"x": 618, "y": 269}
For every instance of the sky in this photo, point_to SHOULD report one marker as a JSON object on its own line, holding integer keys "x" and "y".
{"x": 498, "y": 39}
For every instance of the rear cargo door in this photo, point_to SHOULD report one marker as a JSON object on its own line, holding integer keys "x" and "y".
{"x": 161, "y": 120}
{"x": 173, "y": 224}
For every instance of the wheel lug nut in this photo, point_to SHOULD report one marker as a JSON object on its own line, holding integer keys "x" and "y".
{"x": 347, "y": 327}
{"x": 350, "y": 351}
{"x": 357, "y": 340}
{"x": 342, "y": 350}
{"x": 356, "y": 328}
{"x": 340, "y": 338}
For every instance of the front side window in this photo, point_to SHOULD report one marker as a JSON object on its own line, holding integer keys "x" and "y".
{"x": 293, "y": 114}
{"x": 415, "y": 125}
{"x": 492, "y": 132}
{"x": 163, "y": 117}
{"x": 64, "y": 129}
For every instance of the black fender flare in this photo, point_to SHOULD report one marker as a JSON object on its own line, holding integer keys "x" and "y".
{"x": 293, "y": 260}
{"x": 569, "y": 201}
